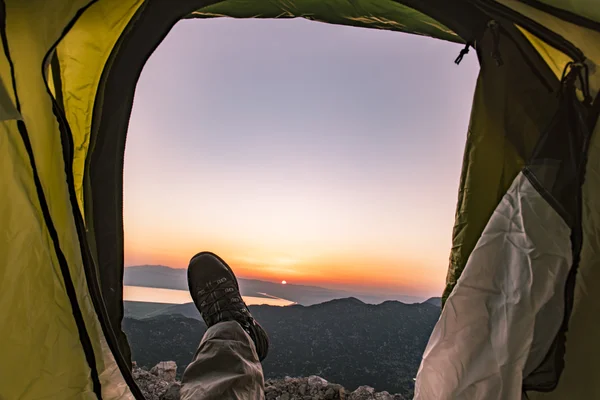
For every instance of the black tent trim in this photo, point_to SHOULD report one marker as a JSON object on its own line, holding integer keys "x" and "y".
{"x": 146, "y": 30}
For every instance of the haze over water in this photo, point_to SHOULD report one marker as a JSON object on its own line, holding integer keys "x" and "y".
{"x": 171, "y": 296}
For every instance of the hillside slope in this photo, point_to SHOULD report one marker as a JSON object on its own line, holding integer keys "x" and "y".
{"x": 344, "y": 341}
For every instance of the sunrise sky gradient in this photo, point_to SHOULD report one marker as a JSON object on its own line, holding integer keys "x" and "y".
{"x": 314, "y": 153}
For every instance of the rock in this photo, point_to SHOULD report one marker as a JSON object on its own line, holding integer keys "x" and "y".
{"x": 271, "y": 392}
{"x": 151, "y": 386}
{"x": 314, "y": 380}
{"x": 165, "y": 370}
{"x": 302, "y": 389}
{"x": 160, "y": 384}
{"x": 172, "y": 392}
{"x": 383, "y": 396}
{"x": 330, "y": 394}
{"x": 363, "y": 393}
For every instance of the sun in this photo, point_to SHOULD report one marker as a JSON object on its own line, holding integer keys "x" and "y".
{"x": 283, "y": 282}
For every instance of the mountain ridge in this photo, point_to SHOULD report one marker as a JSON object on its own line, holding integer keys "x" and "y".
{"x": 189, "y": 310}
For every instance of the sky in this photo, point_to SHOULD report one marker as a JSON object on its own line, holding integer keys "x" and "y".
{"x": 299, "y": 151}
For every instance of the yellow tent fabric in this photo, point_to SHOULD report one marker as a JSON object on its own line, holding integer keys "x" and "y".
{"x": 83, "y": 53}
{"x": 45, "y": 299}
{"x": 55, "y": 64}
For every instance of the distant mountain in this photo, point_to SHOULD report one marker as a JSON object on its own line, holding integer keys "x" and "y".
{"x": 436, "y": 301}
{"x": 344, "y": 341}
{"x": 142, "y": 310}
{"x": 158, "y": 276}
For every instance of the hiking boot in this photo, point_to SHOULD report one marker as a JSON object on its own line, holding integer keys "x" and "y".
{"x": 216, "y": 293}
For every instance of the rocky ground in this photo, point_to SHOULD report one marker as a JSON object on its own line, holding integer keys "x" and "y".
{"x": 160, "y": 384}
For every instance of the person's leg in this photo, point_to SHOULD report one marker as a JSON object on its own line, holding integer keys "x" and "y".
{"x": 225, "y": 366}
{"x": 227, "y": 363}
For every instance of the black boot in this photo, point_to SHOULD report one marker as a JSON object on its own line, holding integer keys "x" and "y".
{"x": 216, "y": 294}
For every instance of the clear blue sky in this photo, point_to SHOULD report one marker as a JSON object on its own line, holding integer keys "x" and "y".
{"x": 301, "y": 151}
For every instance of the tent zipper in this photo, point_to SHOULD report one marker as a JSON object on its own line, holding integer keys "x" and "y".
{"x": 493, "y": 8}
{"x": 463, "y": 53}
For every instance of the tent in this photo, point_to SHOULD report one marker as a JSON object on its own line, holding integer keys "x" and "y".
{"x": 520, "y": 309}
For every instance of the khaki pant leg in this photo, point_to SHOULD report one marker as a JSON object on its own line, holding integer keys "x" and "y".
{"x": 225, "y": 367}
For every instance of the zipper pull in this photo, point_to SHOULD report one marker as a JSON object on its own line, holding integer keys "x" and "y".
{"x": 495, "y": 30}
{"x": 462, "y": 53}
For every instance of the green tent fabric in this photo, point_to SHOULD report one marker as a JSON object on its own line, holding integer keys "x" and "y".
{"x": 367, "y": 14}
{"x": 68, "y": 71}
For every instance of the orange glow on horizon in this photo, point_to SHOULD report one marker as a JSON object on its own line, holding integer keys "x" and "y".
{"x": 342, "y": 271}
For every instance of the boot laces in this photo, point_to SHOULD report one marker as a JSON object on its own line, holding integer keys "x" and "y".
{"x": 216, "y": 300}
